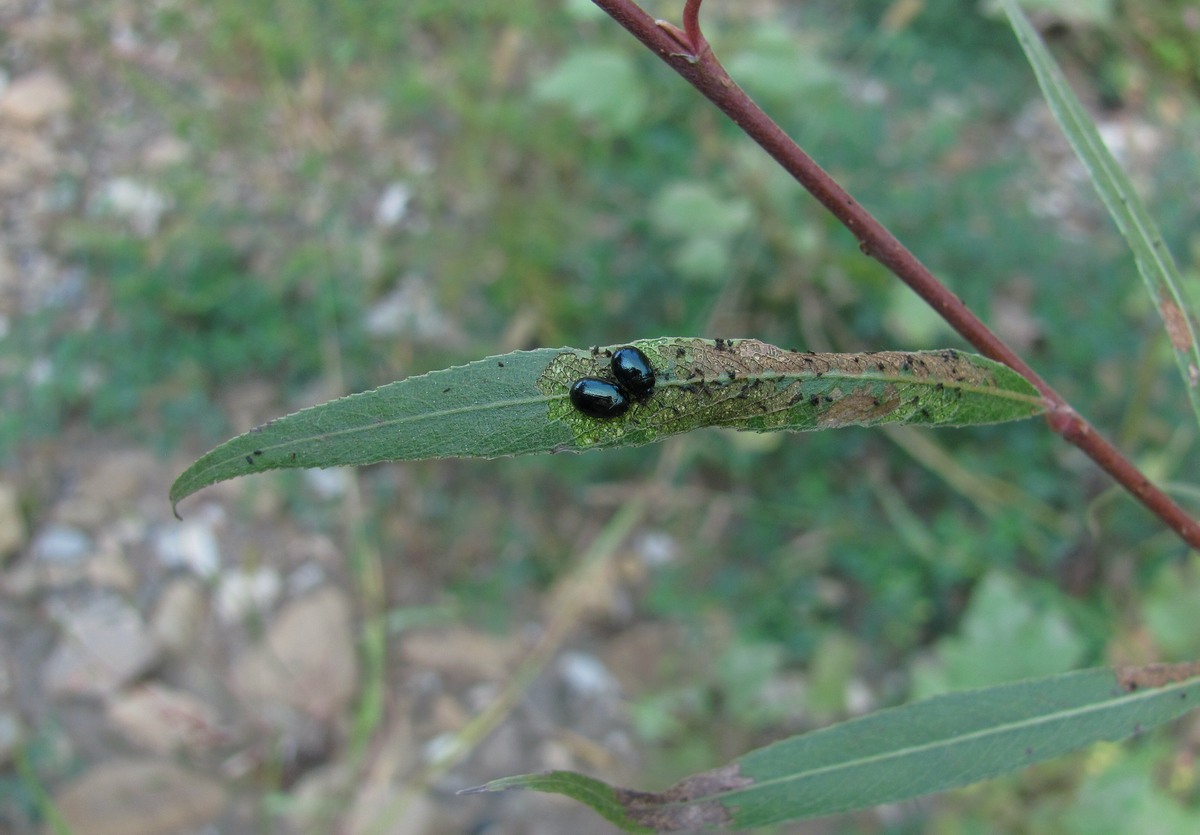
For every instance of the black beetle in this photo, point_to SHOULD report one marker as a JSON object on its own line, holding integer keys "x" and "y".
{"x": 599, "y": 398}
{"x": 633, "y": 371}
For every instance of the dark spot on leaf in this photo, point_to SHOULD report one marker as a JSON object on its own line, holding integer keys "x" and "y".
{"x": 500, "y": 364}
{"x": 258, "y": 452}
{"x": 814, "y": 401}
{"x": 446, "y": 390}
{"x": 680, "y": 353}
{"x": 249, "y": 460}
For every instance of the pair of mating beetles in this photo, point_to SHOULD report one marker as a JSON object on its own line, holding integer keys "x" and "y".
{"x": 634, "y": 376}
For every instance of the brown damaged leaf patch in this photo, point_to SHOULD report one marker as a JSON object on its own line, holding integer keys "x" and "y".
{"x": 1155, "y": 675}
{"x": 1177, "y": 325}
{"x": 746, "y": 384}
{"x": 860, "y": 407}
{"x": 681, "y": 806}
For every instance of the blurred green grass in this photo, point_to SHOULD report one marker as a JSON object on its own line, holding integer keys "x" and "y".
{"x": 544, "y": 208}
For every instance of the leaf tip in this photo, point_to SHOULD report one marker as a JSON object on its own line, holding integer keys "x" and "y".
{"x": 177, "y": 494}
{"x": 484, "y": 789}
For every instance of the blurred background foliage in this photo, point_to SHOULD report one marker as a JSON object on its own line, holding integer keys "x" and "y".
{"x": 371, "y": 189}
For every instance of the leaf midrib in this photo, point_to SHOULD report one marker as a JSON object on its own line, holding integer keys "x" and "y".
{"x": 397, "y": 421}
{"x": 1008, "y": 727}
{"x": 765, "y": 375}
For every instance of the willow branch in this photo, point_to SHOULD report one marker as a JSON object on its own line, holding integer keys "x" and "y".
{"x": 688, "y": 53}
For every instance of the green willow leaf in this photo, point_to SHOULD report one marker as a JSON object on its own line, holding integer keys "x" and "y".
{"x": 518, "y": 403}
{"x": 1158, "y": 269}
{"x": 896, "y": 754}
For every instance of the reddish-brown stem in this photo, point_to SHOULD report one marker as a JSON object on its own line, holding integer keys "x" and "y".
{"x": 704, "y": 72}
{"x": 691, "y": 25}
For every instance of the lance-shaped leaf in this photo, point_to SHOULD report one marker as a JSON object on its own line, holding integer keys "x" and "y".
{"x": 519, "y": 403}
{"x": 1133, "y": 219}
{"x": 893, "y": 755}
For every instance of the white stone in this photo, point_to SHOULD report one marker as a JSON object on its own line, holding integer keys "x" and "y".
{"x": 191, "y": 545}
{"x": 244, "y": 592}
{"x": 586, "y": 675}
{"x": 329, "y": 483}
{"x": 138, "y": 797}
{"x": 103, "y": 645}
{"x": 61, "y": 544}
{"x": 165, "y": 152}
{"x": 33, "y": 99}
{"x": 166, "y": 721}
{"x": 393, "y": 204}
{"x": 410, "y": 309}
{"x": 307, "y": 660}
{"x": 179, "y": 616}
{"x": 139, "y": 203}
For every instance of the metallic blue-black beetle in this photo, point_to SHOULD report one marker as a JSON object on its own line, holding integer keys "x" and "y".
{"x": 633, "y": 371}
{"x": 599, "y": 398}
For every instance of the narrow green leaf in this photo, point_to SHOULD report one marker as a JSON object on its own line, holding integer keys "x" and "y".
{"x": 608, "y": 801}
{"x": 519, "y": 403}
{"x": 1153, "y": 259}
{"x": 893, "y": 755}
